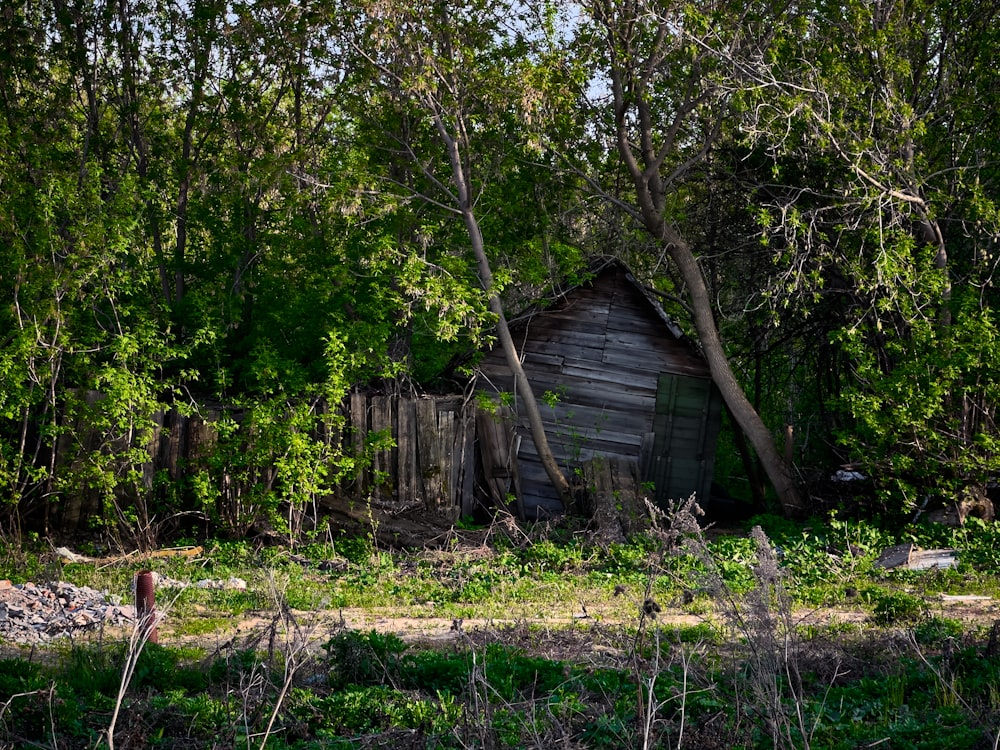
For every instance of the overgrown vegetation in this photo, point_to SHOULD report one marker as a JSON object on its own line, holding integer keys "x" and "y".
{"x": 671, "y": 640}
{"x": 235, "y": 210}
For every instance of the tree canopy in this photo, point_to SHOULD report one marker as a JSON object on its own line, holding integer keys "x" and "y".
{"x": 265, "y": 204}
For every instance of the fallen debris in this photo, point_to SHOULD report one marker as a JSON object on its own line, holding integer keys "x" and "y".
{"x": 847, "y": 475}
{"x": 67, "y": 555}
{"x": 31, "y": 613}
{"x": 913, "y": 558}
{"x": 232, "y": 583}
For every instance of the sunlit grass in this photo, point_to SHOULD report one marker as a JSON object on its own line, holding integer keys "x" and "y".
{"x": 553, "y": 641}
{"x": 830, "y": 561}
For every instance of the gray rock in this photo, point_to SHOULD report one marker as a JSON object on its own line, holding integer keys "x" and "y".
{"x": 31, "y": 613}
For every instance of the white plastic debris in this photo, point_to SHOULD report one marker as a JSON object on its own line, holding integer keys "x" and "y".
{"x": 234, "y": 583}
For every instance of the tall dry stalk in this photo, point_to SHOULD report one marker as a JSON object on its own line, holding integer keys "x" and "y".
{"x": 295, "y": 643}
{"x": 761, "y": 618}
{"x": 142, "y": 630}
{"x": 671, "y": 528}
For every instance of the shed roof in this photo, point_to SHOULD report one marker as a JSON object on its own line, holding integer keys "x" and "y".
{"x": 599, "y": 270}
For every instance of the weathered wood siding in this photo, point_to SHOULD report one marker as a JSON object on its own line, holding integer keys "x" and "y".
{"x": 432, "y": 464}
{"x": 685, "y": 428}
{"x": 600, "y": 353}
{"x": 430, "y": 467}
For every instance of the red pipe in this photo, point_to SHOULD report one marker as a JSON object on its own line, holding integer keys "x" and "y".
{"x": 145, "y": 604}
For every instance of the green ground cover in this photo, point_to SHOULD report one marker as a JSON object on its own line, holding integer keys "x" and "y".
{"x": 788, "y": 637}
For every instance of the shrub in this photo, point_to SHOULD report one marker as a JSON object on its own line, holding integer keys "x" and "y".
{"x": 898, "y": 608}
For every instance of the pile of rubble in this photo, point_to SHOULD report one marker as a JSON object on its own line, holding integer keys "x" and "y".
{"x": 33, "y": 613}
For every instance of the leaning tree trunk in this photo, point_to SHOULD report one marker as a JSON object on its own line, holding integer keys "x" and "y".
{"x": 649, "y": 199}
{"x": 525, "y": 393}
{"x": 777, "y": 469}
{"x": 644, "y": 147}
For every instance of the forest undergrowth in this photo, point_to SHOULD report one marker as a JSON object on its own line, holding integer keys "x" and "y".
{"x": 782, "y": 636}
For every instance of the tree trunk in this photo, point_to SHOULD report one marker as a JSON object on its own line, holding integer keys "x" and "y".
{"x": 525, "y": 393}
{"x": 644, "y": 141}
{"x": 778, "y": 471}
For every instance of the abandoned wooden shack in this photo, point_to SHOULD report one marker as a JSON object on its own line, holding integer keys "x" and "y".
{"x": 616, "y": 379}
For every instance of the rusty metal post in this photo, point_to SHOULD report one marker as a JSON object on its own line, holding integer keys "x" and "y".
{"x": 145, "y": 604}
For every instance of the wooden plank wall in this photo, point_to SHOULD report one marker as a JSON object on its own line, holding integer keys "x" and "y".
{"x": 601, "y": 352}
{"x": 430, "y": 466}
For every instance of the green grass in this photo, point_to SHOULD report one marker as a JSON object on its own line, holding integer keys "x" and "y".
{"x": 454, "y": 697}
{"x": 557, "y": 681}
{"x": 824, "y": 559}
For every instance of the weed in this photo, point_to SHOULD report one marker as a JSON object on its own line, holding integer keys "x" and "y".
{"x": 359, "y": 709}
{"x": 703, "y": 633}
{"x": 756, "y": 607}
{"x": 358, "y": 549}
{"x": 202, "y": 712}
{"x": 750, "y": 675}
{"x": 18, "y": 676}
{"x": 898, "y": 608}
{"x": 362, "y": 658}
{"x": 201, "y": 626}
{"x": 934, "y": 630}
{"x": 546, "y": 555}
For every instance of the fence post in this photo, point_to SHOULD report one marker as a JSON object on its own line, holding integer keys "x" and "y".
{"x": 145, "y": 604}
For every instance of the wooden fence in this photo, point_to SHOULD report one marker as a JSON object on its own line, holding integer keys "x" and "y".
{"x": 427, "y": 466}
{"x": 431, "y": 463}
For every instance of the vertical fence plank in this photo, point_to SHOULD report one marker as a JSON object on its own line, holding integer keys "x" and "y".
{"x": 465, "y": 442}
{"x": 428, "y": 459}
{"x": 409, "y": 489}
{"x": 383, "y": 481}
{"x": 444, "y": 499}
{"x": 359, "y": 434}
{"x": 174, "y": 443}
{"x": 153, "y": 446}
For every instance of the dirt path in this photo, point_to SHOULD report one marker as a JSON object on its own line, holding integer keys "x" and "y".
{"x": 587, "y": 635}
{"x": 604, "y": 628}
{"x": 427, "y": 630}
{"x": 599, "y": 631}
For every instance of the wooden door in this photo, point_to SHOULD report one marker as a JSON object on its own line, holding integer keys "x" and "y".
{"x": 685, "y": 428}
